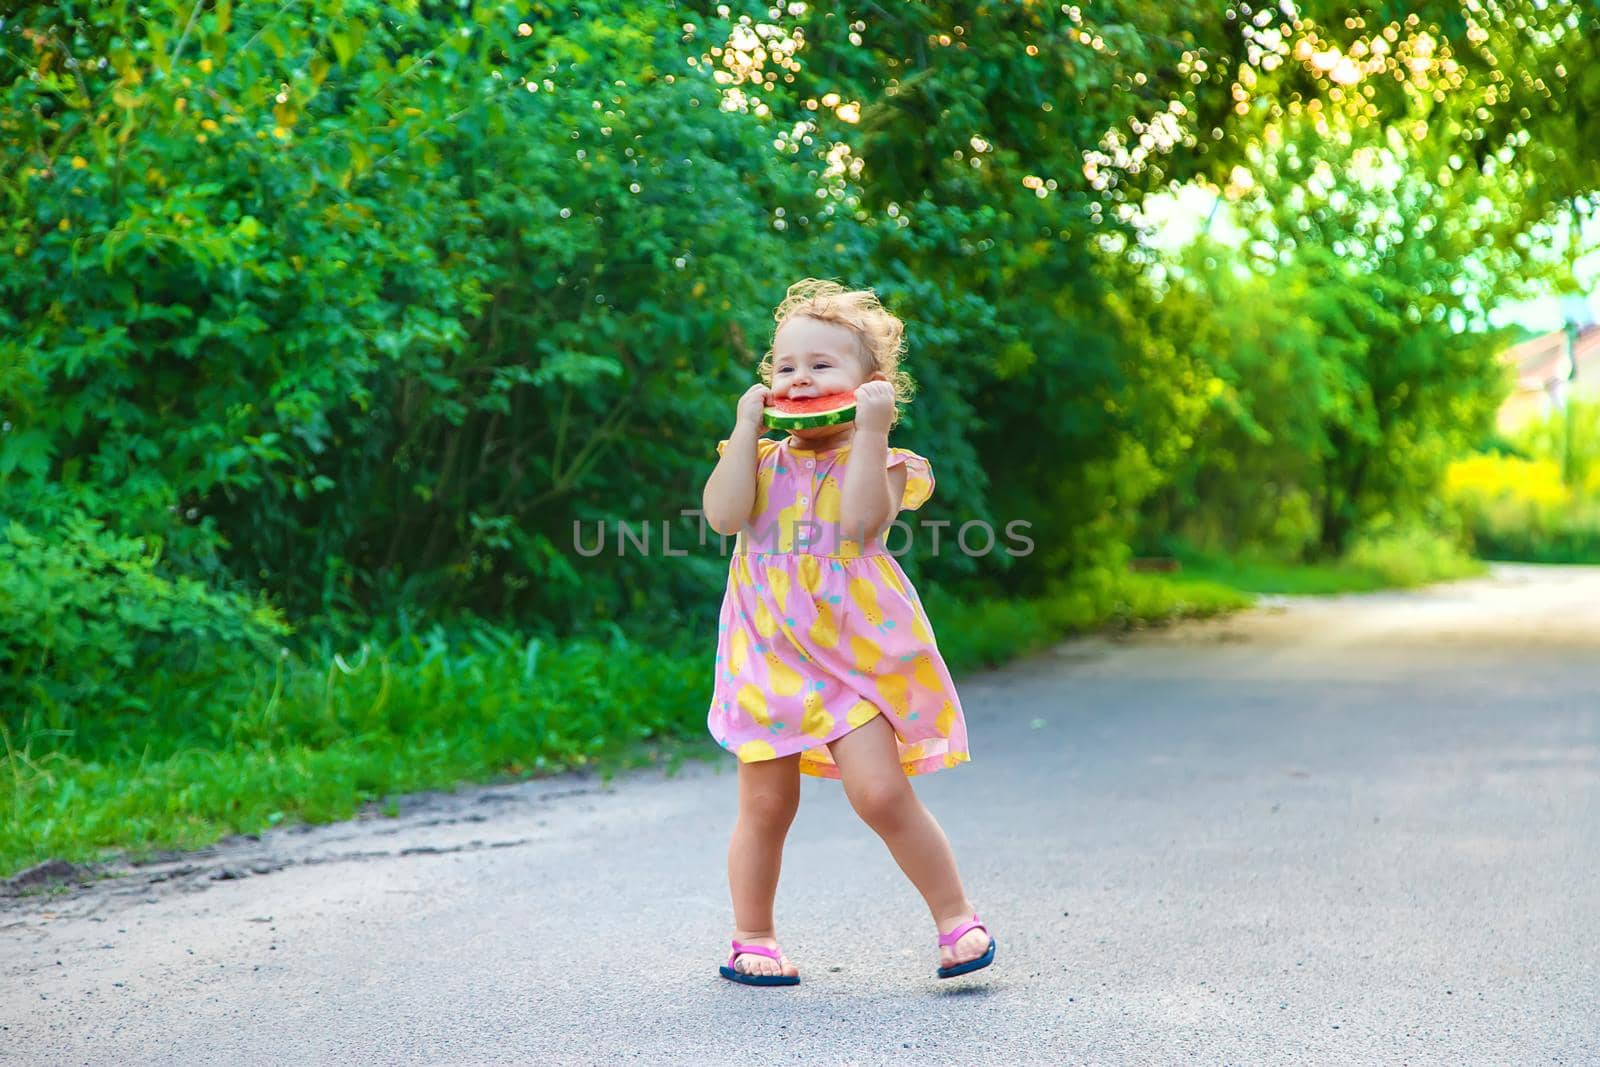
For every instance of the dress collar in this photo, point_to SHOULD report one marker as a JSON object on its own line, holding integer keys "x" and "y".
{"x": 814, "y": 451}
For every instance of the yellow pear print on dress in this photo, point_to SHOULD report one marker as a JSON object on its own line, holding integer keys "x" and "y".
{"x": 738, "y": 648}
{"x": 766, "y": 626}
{"x": 779, "y": 579}
{"x": 865, "y": 594}
{"x": 926, "y": 676}
{"x": 946, "y": 719}
{"x": 825, "y": 631}
{"x": 896, "y": 690}
{"x": 788, "y": 525}
{"x": 866, "y": 652}
{"x": 754, "y": 751}
{"x": 919, "y": 626}
{"x": 810, "y": 568}
{"x": 828, "y": 498}
{"x": 754, "y": 703}
{"x": 861, "y": 711}
{"x": 817, "y": 722}
{"x": 763, "y": 485}
{"x": 783, "y": 679}
{"x": 890, "y": 578}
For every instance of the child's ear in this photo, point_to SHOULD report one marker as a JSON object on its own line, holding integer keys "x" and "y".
{"x": 878, "y": 376}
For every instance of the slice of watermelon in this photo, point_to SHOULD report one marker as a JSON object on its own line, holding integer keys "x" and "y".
{"x": 789, "y": 414}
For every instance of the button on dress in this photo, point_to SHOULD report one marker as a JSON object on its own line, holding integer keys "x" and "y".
{"x": 819, "y": 633}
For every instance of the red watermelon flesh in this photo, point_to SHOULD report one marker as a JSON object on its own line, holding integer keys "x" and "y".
{"x": 791, "y": 413}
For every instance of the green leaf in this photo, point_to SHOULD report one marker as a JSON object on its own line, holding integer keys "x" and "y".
{"x": 576, "y": 368}
{"x": 26, "y": 450}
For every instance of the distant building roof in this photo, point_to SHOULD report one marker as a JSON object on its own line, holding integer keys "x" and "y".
{"x": 1541, "y": 360}
{"x": 1540, "y": 366}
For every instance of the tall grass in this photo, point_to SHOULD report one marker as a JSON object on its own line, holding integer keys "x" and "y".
{"x": 984, "y": 633}
{"x": 314, "y": 741}
{"x": 1396, "y": 558}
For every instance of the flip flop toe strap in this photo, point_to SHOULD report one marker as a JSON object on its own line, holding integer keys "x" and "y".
{"x": 946, "y": 940}
{"x": 739, "y": 949}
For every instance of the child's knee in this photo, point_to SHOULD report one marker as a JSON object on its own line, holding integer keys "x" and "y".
{"x": 881, "y": 801}
{"x": 770, "y": 808}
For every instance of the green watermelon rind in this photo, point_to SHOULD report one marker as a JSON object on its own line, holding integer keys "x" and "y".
{"x": 778, "y": 421}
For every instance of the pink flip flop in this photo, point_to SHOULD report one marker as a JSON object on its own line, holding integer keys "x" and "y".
{"x": 740, "y": 949}
{"x": 946, "y": 940}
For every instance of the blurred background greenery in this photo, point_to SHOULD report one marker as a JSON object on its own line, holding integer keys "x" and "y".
{"x": 324, "y": 323}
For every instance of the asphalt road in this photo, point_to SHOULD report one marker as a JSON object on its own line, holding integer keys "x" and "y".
{"x": 1351, "y": 829}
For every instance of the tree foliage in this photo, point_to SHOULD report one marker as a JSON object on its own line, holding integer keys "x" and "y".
{"x": 363, "y": 306}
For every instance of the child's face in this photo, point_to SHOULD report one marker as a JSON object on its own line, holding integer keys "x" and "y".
{"x": 814, "y": 358}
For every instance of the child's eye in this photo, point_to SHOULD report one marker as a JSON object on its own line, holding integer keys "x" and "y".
{"x": 784, "y": 370}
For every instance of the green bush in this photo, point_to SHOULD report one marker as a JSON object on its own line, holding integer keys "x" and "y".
{"x": 337, "y": 306}
{"x": 1411, "y": 556}
{"x": 1523, "y": 530}
{"x": 93, "y": 634}
{"x": 1520, "y": 508}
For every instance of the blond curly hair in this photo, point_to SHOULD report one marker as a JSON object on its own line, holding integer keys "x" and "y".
{"x": 880, "y": 332}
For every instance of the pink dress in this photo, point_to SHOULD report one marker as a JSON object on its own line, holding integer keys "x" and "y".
{"x": 818, "y": 633}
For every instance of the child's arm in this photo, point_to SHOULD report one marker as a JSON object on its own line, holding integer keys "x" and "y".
{"x": 730, "y": 492}
{"x": 871, "y": 493}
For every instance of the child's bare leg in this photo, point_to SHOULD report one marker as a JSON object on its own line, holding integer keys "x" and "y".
{"x": 769, "y": 796}
{"x": 869, "y": 764}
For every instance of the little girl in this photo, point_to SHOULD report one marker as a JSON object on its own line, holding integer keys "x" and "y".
{"x": 826, "y": 662}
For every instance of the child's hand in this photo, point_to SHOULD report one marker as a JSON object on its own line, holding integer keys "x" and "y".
{"x": 751, "y": 406}
{"x": 874, "y": 406}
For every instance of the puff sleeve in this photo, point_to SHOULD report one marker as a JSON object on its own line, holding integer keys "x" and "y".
{"x": 919, "y": 477}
